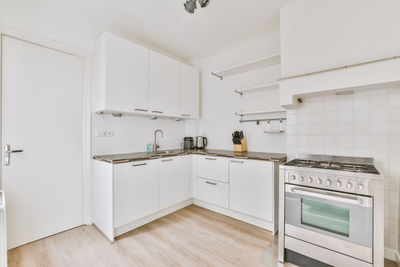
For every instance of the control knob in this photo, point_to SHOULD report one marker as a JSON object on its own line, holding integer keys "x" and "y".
{"x": 329, "y": 182}
{"x": 349, "y": 185}
{"x": 360, "y": 187}
{"x": 338, "y": 183}
{"x": 301, "y": 179}
{"x": 293, "y": 177}
{"x": 319, "y": 181}
{"x": 310, "y": 179}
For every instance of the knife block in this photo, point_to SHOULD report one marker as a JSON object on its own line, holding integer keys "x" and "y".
{"x": 242, "y": 147}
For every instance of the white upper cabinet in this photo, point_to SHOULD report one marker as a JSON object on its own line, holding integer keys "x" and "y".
{"x": 163, "y": 85}
{"x": 189, "y": 85}
{"x": 173, "y": 180}
{"x": 133, "y": 80}
{"x": 121, "y": 75}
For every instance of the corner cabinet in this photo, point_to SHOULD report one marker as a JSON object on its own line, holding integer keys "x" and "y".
{"x": 133, "y": 80}
{"x": 173, "y": 181}
{"x": 189, "y": 91}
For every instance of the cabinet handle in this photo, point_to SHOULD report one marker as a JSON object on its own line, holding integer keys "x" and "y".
{"x": 166, "y": 160}
{"x": 211, "y": 159}
{"x": 140, "y": 109}
{"x": 237, "y": 161}
{"x": 140, "y": 164}
{"x": 211, "y": 183}
{"x": 157, "y": 111}
{"x": 186, "y": 115}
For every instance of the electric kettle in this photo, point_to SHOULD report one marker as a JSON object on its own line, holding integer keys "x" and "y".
{"x": 201, "y": 142}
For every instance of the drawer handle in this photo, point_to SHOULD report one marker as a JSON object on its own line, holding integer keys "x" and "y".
{"x": 157, "y": 111}
{"x": 140, "y": 109}
{"x": 211, "y": 183}
{"x": 211, "y": 158}
{"x": 186, "y": 115}
{"x": 166, "y": 160}
{"x": 237, "y": 161}
{"x": 140, "y": 164}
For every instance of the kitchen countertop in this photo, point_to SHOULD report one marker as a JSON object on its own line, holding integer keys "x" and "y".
{"x": 129, "y": 157}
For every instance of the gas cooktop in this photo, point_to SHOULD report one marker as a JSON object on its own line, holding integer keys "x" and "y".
{"x": 333, "y": 165}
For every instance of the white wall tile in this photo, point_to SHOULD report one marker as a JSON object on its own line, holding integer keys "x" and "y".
{"x": 365, "y": 124}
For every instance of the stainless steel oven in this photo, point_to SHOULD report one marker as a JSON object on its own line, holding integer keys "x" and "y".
{"x": 337, "y": 221}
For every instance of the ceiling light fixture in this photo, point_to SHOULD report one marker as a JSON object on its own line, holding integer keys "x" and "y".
{"x": 190, "y": 5}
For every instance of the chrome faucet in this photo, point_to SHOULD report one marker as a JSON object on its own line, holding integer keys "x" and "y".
{"x": 155, "y": 145}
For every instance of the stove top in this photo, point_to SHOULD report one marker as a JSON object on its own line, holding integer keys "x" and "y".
{"x": 334, "y": 165}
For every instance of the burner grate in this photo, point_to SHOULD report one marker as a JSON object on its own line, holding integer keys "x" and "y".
{"x": 349, "y": 167}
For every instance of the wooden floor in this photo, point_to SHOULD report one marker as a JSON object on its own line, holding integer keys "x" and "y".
{"x": 192, "y": 236}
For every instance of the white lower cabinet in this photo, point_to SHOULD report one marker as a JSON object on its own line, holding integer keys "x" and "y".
{"x": 173, "y": 180}
{"x": 252, "y": 188}
{"x": 213, "y": 192}
{"x": 129, "y": 195}
{"x": 135, "y": 191}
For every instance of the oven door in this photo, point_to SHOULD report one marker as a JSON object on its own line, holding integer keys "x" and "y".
{"x": 338, "y": 221}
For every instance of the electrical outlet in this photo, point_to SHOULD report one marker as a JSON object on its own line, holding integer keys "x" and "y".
{"x": 107, "y": 133}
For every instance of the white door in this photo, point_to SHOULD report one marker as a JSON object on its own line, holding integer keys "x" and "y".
{"x": 173, "y": 181}
{"x": 251, "y": 187}
{"x": 189, "y": 85}
{"x": 42, "y": 114}
{"x": 163, "y": 85}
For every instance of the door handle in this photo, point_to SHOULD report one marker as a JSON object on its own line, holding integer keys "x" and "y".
{"x": 7, "y": 154}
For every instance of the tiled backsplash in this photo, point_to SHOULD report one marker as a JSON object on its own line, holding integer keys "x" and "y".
{"x": 365, "y": 124}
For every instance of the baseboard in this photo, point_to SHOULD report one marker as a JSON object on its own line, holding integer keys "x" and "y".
{"x": 237, "y": 215}
{"x": 133, "y": 225}
{"x": 392, "y": 254}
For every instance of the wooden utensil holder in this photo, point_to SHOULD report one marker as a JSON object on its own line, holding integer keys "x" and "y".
{"x": 240, "y": 147}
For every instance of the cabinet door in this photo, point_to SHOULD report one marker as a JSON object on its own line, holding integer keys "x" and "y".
{"x": 173, "y": 180}
{"x": 163, "y": 85}
{"x": 135, "y": 191}
{"x": 126, "y": 75}
{"x": 251, "y": 187}
{"x": 189, "y": 85}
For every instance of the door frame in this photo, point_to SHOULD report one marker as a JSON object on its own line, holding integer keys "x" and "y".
{"x": 86, "y": 102}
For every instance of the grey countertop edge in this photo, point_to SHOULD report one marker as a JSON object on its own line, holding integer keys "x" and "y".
{"x": 280, "y": 157}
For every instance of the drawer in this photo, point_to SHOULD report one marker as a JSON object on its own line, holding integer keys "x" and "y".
{"x": 214, "y": 168}
{"x": 213, "y": 192}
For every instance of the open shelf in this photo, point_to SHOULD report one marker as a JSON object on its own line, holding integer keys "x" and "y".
{"x": 258, "y": 88}
{"x": 248, "y": 66}
{"x": 270, "y": 111}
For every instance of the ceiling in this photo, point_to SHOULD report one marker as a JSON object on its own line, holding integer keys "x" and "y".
{"x": 162, "y": 24}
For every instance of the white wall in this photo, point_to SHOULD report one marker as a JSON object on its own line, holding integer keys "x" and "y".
{"x": 131, "y": 134}
{"x": 321, "y": 34}
{"x": 219, "y": 102}
{"x": 366, "y": 124}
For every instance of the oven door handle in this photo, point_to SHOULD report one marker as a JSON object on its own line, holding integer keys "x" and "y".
{"x": 331, "y": 196}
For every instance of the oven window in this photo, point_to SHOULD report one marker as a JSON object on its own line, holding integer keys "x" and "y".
{"x": 325, "y": 216}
